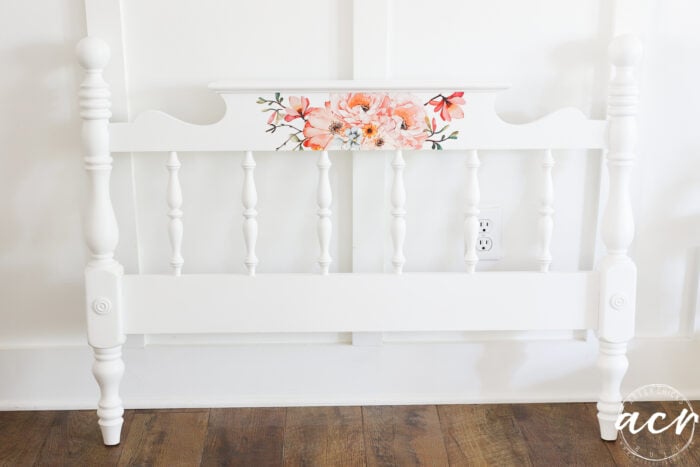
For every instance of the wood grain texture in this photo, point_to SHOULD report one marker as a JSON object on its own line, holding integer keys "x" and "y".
{"x": 165, "y": 438}
{"x": 324, "y": 436}
{"x": 561, "y": 434}
{"x": 403, "y": 435}
{"x": 244, "y": 437}
{"x": 74, "y": 439}
{"x": 22, "y": 435}
{"x": 664, "y": 442}
{"x": 521, "y": 434}
{"x": 482, "y": 435}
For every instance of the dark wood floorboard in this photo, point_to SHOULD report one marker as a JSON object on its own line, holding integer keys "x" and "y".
{"x": 244, "y": 437}
{"x": 165, "y": 438}
{"x": 403, "y": 435}
{"x": 562, "y": 434}
{"x": 75, "y": 439}
{"x": 324, "y": 436}
{"x": 22, "y": 435}
{"x": 502, "y": 435}
{"x": 483, "y": 435}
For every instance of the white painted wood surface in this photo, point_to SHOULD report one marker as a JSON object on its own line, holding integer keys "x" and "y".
{"x": 103, "y": 274}
{"x": 174, "y": 197}
{"x": 250, "y": 213}
{"x": 398, "y": 211}
{"x": 618, "y": 273}
{"x": 197, "y": 303}
{"x": 471, "y": 213}
{"x": 481, "y": 127}
{"x": 546, "y": 221}
{"x": 324, "y": 197}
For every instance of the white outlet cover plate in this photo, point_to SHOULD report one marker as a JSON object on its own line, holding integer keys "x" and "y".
{"x": 493, "y": 213}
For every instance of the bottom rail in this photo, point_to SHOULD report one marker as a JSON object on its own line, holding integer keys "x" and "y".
{"x": 209, "y": 303}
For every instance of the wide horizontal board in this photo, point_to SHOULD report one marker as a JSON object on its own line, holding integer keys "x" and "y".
{"x": 360, "y": 302}
{"x": 330, "y": 117}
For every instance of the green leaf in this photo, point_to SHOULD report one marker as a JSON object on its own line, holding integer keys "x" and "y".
{"x": 434, "y": 146}
{"x": 439, "y": 147}
{"x": 277, "y": 96}
{"x": 260, "y": 100}
{"x": 453, "y": 135}
{"x": 442, "y": 129}
{"x": 294, "y": 138}
{"x": 281, "y": 99}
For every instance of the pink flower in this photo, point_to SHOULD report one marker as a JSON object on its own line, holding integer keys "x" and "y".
{"x": 449, "y": 107}
{"x": 358, "y": 109}
{"x": 272, "y": 117}
{"x": 298, "y": 108}
{"x": 321, "y": 127}
{"x": 405, "y": 127}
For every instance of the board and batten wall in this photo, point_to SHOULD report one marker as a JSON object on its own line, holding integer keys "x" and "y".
{"x": 552, "y": 51}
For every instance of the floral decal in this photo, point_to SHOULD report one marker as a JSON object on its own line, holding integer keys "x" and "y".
{"x": 363, "y": 121}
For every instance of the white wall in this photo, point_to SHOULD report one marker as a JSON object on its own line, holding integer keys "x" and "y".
{"x": 552, "y": 51}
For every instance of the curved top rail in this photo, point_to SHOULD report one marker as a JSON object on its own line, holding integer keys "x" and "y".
{"x": 357, "y": 116}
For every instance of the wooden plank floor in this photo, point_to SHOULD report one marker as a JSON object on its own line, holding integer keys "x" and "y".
{"x": 508, "y": 434}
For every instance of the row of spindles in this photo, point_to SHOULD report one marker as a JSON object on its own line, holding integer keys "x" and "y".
{"x": 324, "y": 197}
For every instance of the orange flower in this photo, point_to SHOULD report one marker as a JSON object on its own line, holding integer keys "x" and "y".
{"x": 369, "y": 131}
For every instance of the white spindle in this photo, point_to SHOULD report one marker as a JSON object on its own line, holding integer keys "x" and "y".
{"x": 617, "y": 272}
{"x": 250, "y": 223}
{"x": 324, "y": 198}
{"x": 471, "y": 213}
{"x": 174, "y": 197}
{"x": 103, "y": 273}
{"x": 398, "y": 202}
{"x": 546, "y": 212}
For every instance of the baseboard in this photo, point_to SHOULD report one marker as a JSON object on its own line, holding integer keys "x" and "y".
{"x": 170, "y": 376}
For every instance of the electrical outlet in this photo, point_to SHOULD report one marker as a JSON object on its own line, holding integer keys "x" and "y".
{"x": 484, "y": 225}
{"x": 488, "y": 243}
{"x": 484, "y": 244}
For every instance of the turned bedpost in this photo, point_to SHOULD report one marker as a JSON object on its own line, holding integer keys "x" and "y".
{"x": 617, "y": 271}
{"x": 103, "y": 273}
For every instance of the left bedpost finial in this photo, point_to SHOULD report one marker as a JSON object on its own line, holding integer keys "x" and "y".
{"x": 93, "y": 53}
{"x": 103, "y": 274}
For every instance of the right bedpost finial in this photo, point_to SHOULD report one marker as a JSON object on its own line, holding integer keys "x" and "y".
{"x": 618, "y": 274}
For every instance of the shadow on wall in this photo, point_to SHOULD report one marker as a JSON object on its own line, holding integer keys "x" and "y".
{"x": 41, "y": 242}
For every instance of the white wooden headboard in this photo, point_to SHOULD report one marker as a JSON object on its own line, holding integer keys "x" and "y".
{"x": 358, "y": 116}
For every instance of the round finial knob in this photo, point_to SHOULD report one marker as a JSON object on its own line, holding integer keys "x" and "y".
{"x": 625, "y": 50}
{"x": 93, "y": 53}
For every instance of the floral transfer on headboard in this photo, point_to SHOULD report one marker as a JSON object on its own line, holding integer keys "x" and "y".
{"x": 359, "y": 120}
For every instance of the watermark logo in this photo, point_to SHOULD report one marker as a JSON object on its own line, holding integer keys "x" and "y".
{"x": 653, "y": 430}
